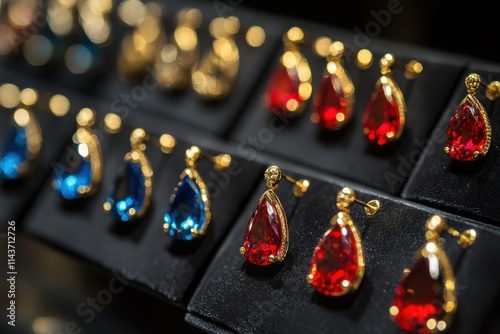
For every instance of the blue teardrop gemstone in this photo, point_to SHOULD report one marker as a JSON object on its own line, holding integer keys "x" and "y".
{"x": 14, "y": 153}
{"x": 128, "y": 192}
{"x": 75, "y": 174}
{"x": 186, "y": 211}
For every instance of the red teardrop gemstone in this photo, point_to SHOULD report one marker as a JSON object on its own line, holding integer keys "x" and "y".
{"x": 381, "y": 121}
{"x": 263, "y": 235}
{"x": 466, "y": 133}
{"x": 335, "y": 261}
{"x": 330, "y": 103}
{"x": 419, "y": 296}
{"x": 283, "y": 89}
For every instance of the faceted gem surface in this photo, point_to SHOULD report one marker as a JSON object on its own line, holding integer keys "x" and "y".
{"x": 127, "y": 196}
{"x": 74, "y": 175}
{"x": 419, "y": 296}
{"x": 186, "y": 211}
{"x": 263, "y": 235}
{"x": 466, "y": 133}
{"x": 330, "y": 103}
{"x": 14, "y": 153}
{"x": 381, "y": 121}
{"x": 334, "y": 263}
{"x": 283, "y": 90}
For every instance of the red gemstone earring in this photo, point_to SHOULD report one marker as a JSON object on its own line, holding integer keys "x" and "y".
{"x": 335, "y": 98}
{"x": 469, "y": 131}
{"x": 266, "y": 235}
{"x": 384, "y": 118}
{"x": 290, "y": 87}
{"x": 425, "y": 298}
{"x": 338, "y": 262}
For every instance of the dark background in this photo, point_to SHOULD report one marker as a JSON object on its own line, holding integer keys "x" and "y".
{"x": 54, "y": 282}
{"x": 451, "y": 26}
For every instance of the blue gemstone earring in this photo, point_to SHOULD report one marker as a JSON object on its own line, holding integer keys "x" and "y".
{"x": 80, "y": 174}
{"x": 130, "y": 197}
{"x": 23, "y": 141}
{"x": 188, "y": 214}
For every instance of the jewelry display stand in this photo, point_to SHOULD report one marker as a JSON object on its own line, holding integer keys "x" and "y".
{"x": 207, "y": 279}
{"x": 464, "y": 188}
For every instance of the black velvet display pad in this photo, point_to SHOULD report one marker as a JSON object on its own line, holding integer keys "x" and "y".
{"x": 236, "y": 296}
{"x": 141, "y": 252}
{"x": 15, "y": 196}
{"x": 346, "y": 152}
{"x": 466, "y": 188}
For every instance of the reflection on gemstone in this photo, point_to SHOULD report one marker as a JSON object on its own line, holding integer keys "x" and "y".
{"x": 126, "y": 198}
{"x": 75, "y": 177}
{"x": 186, "y": 213}
{"x": 14, "y": 153}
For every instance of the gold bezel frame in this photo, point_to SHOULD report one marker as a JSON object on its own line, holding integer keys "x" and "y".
{"x": 34, "y": 140}
{"x": 472, "y": 100}
{"x": 448, "y": 280}
{"x": 86, "y": 136}
{"x": 343, "y": 219}
{"x": 193, "y": 174}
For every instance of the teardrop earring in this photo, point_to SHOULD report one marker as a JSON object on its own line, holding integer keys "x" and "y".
{"x": 23, "y": 141}
{"x": 289, "y": 87}
{"x": 189, "y": 212}
{"x": 266, "y": 236}
{"x": 175, "y": 60}
{"x": 425, "y": 298}
{"x": 130, "y": 197}
{"x": 140, "y": 47}
{"x": 469, "y": 131}
{"x": 79, "y": 175}
{"x": 385, "y": 115}
{"x": 214, "y": 76}
{"x": 334, "y": 101}
{"x": 338, "y": 261}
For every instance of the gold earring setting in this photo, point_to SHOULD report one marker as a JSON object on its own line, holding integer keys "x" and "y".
{"x": 469, "y": 131}
{"x": 266, "y": 236}
{"x": 189, "y": 211}
{"x": 338, "y": 261}
{"x": 426, "y": 296}
{"x": 130, "y": 197}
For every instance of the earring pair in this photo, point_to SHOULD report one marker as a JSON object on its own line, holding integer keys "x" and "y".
{"x": 79, "y": 174}
{"x": 130, "y": 197}
{"x": 266, "y": 237}
{"x": 24, "y": 140}
{"x": 469, "y": 131}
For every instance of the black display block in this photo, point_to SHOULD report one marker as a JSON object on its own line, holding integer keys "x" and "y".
{"x": 466, "y": 188}
{"x": 346, "y": 152}
{"x": 208, "y": 278}
{"x": 141, "y": 252}
{"x": 236, "y": 296}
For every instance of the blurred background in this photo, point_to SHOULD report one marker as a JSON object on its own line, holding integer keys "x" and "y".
{"x": 51, "y": 284}
{"x": 469, "y": 29}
